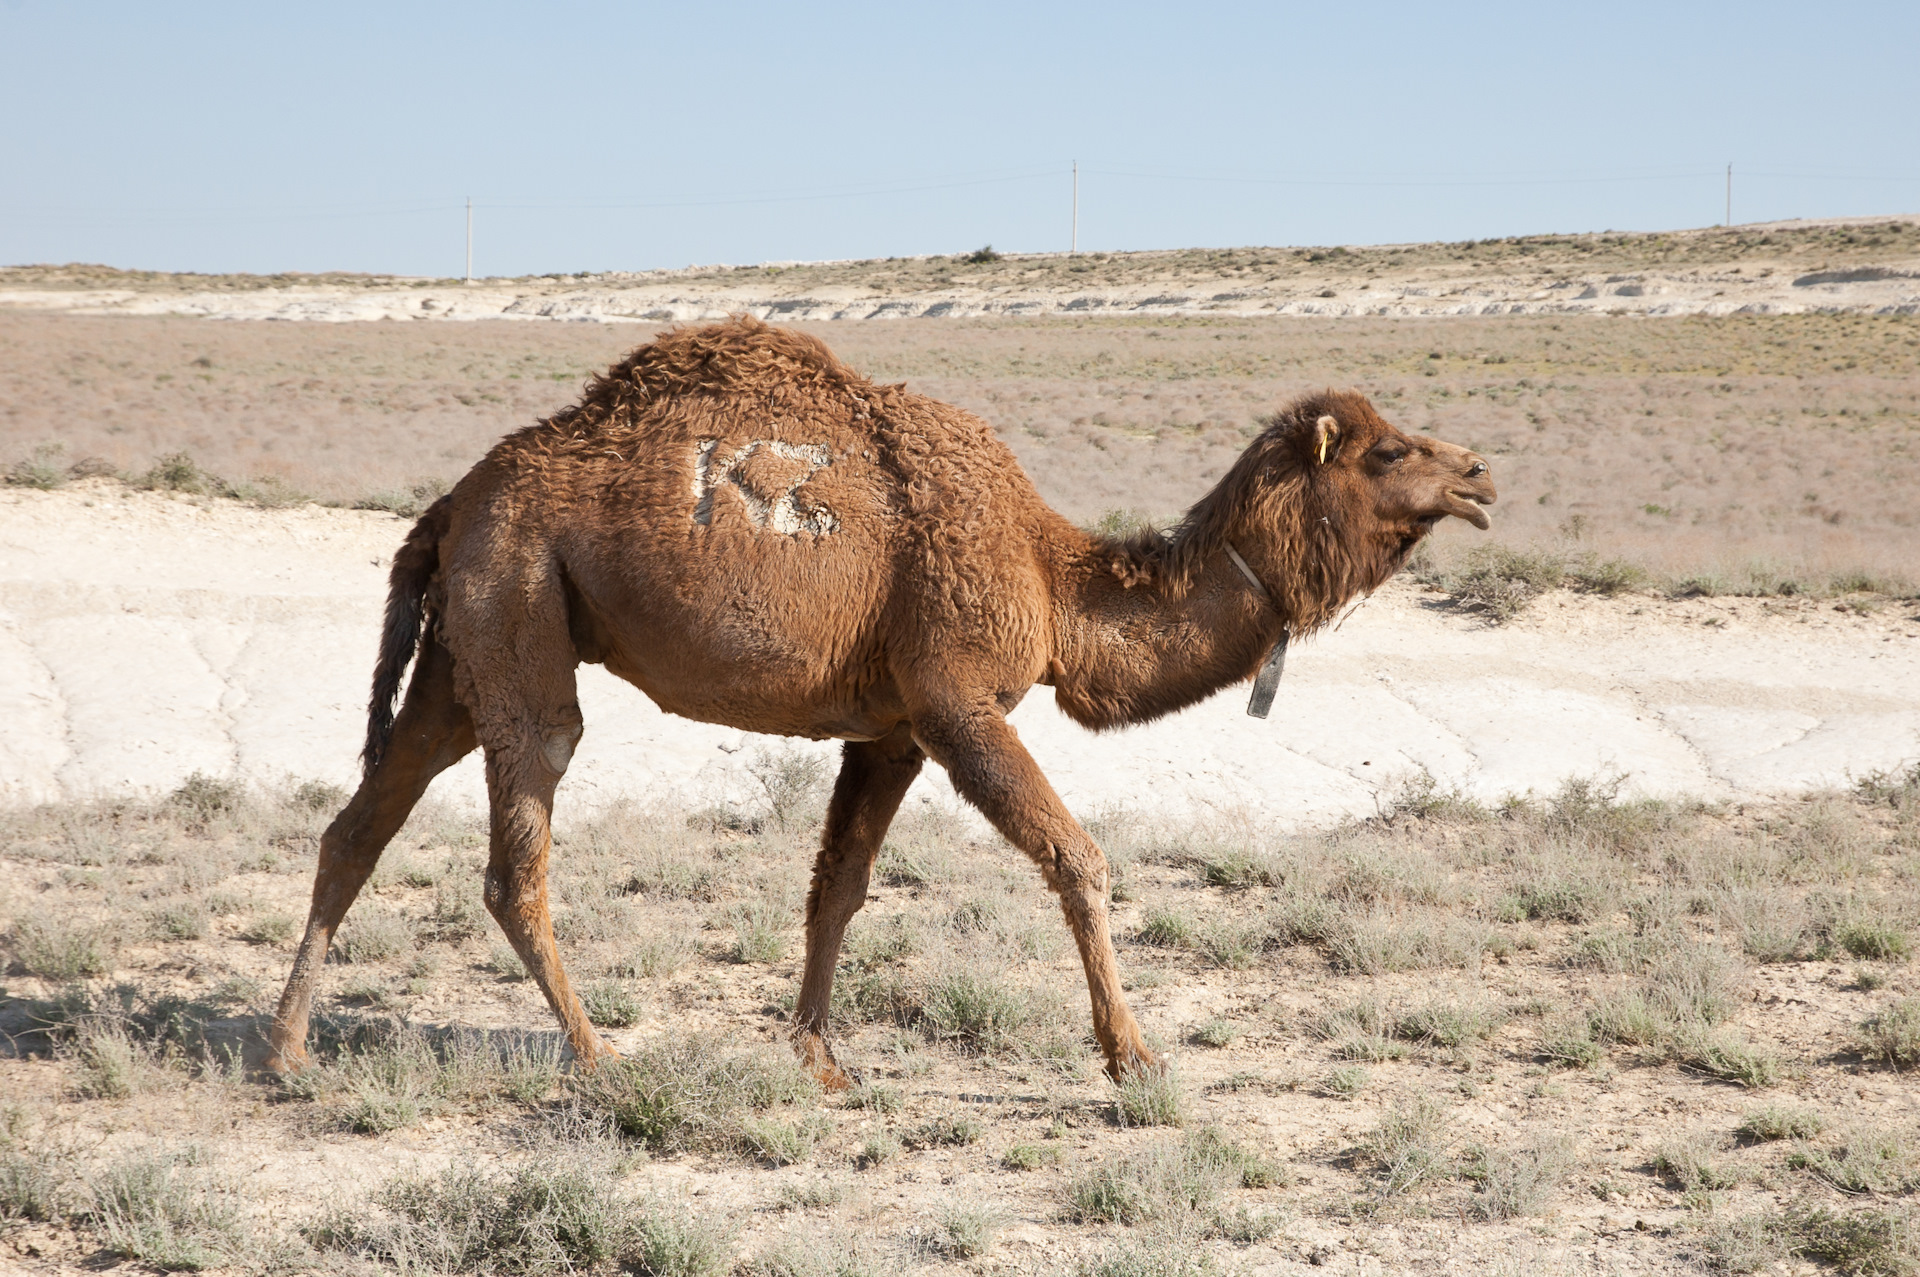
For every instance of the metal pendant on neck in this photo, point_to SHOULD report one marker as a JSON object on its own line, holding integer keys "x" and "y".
{"x": 1267, "y": 682}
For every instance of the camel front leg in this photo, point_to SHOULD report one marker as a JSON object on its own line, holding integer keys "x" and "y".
{"x": 874, "y": 777}
{"x": 993, "y": 771}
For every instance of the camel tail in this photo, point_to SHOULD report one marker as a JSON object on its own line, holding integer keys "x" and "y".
{"x": 413, "y": 567}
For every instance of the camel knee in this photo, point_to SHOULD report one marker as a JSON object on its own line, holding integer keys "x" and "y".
{"x": 509, "y": 904}
{"x": 559, "y": 739}
{"x": 1080, "y": 871}
{"x": 839, "y": 891}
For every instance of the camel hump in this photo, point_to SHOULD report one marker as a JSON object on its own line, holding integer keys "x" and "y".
{"x": 740, "y": 354}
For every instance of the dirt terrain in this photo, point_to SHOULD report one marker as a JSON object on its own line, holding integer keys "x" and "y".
{"x": 1575, "y": 1034}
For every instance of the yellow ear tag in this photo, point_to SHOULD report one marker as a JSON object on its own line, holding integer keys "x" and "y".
{"x": 1324, "y": 441}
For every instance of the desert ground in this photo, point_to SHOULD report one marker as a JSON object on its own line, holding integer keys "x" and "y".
{"x": 1559, "y": 920}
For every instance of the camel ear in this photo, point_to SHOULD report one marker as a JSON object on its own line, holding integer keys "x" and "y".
{"x": 1326, "y": 438}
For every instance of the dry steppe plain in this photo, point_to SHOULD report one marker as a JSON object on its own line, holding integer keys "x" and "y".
{"x": 1577, "y": 1031}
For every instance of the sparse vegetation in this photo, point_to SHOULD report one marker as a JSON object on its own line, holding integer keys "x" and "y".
{"x": 168, "y": 1210}
{"x": 1164, "y": 1181}
{"x": 1520, "y": 1179}
{"x": 1605, "y": 933}
{"x": 538, "y": 1218}
{"x": 689, "y": 1091}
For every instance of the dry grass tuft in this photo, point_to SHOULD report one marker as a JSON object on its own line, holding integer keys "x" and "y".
{"x": 690, "y": 1092}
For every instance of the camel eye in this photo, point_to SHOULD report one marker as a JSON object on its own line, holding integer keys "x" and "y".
{"x": 1387, "y": 456}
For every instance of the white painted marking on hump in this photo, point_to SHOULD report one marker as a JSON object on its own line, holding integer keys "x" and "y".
{"x": 782, "y": 513}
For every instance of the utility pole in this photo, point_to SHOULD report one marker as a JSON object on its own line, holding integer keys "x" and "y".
{"x": 1073, "y": 244}
{"x": 469, "y": 239}
{"x": 1729, "y": 194}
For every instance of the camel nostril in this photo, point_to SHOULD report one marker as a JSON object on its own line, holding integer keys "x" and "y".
{"x": 1479, "y": 468}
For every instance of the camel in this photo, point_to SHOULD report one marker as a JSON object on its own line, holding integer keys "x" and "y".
{"x": 754, "y": 534}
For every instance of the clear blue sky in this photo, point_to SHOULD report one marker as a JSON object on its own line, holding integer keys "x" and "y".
{"x": 347, "y": 136}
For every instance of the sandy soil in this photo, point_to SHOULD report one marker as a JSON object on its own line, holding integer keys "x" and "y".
{"x": 1866, "y": 265}
{"x": 144, "y": 637}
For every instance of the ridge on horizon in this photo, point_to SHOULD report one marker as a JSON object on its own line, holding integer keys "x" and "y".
{"x": 1519, "y": 243}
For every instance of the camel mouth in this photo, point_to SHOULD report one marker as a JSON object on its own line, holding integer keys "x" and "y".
{"x": 1466, "y": 505}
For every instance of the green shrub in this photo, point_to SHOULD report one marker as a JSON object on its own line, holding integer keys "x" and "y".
{"x": 759, "y": 932}
{"x": 1150, "y": 1256}
{"x": 202, "y": 798}
{"x": 1871, "y": 1242}
{"x": 54, "y": 950}
{"x": 781, "y": 1143}
{"x": 1028, "y": 1157}
{"x": 880, "y": 1099}
{"x": 792, "y": 781}
{"x": 1217, "y": 1032}
{"x": 688, "y": 1091}
{"x": 1728, "y": 1056}
{"x": 546, "y": 1216}
{"x": 1237, "y": 870}
{"x": 968, "y": 1229}
{"x": 1779, "y": 1122}
{"x": 30, "y": 1193}
{"x": 1868, "y": 1158}
{"x": 373, "y": 935}
{"x": 274, "y": 929}
{"x": 1149, "y": 1097}
{"x": 1892, "y": 1035}
{"x": 1165, "y": 928}
{"x": 42, "y": 469}
{"x": 976, "y": 1010}
{"x": 957, "y": 1130}
{"x": 1498, "y": 580}
{"x": 409, "y": 502}
{"x": 1163, "y": 1181}
{"x": 1408, "y": 1147}
{"x": 1873, "y": 940}
{"x": 1606, "y": 577}
{"x": 162, "y": 1210}
{"x": 182, "y": 920}
{"x": 1693, "y": 1162}
{"x": 1344, "y": 1083}
{"x": 178, "y": 472}
{"x": 1520, "y": 1179}
{"x": 612, "y": 1005}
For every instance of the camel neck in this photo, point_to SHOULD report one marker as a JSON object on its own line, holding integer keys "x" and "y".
{"x": 1130, "y": 653}
{"x": 1253, "y": 578}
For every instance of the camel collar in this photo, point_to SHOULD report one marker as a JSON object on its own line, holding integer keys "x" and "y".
{"x": 1247, "y": 572}
{"x": 1267, "y": 682}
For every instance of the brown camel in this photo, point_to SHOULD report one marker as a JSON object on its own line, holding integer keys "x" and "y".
{"x": 754, "y": 534}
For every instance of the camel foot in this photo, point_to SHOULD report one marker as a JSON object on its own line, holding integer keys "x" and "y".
{"x": 596, "y": 1054}
{"x": 816, "y": 1057}
{"x": 1133, "y": 1062}
{"x": 286, "y": 1062}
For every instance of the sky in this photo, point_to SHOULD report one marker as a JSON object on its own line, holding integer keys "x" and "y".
{"x": 346, "y": 136}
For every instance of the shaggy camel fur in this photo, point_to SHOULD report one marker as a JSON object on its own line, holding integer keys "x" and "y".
{"x": 753, "y": 534}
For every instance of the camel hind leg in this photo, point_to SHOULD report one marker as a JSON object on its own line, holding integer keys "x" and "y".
{"x": 432, "y": 733}
{"x": 524, "y": 675}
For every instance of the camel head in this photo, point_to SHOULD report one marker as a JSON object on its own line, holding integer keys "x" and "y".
{"x": 1374, "y": 482}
